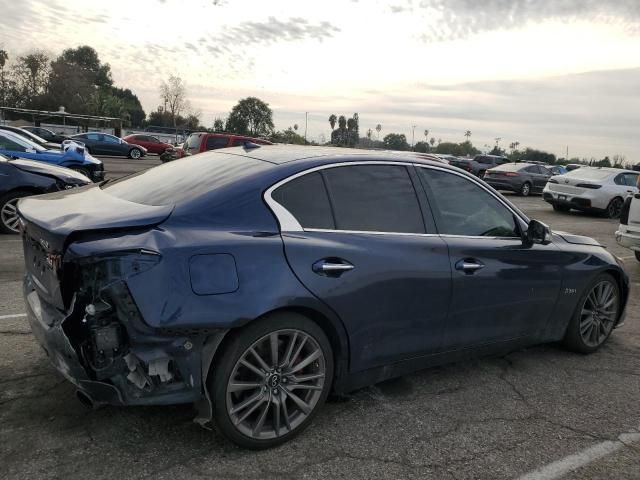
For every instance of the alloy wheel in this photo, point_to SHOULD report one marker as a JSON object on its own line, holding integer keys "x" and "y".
{"x": 276, "y": 384}
{"x": 9, "y": 214}
{"x": 598, "y": 314}
{"x": 135, "y": 153}
{"x": 615, "y": 208}
{"x": 525, "y": 190}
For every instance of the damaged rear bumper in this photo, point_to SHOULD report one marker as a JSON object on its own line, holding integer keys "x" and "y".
{"x": 122, "y": 362}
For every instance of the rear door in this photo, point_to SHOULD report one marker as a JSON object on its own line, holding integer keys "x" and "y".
{"x": 501, "y": 289}
{"x": 356, "y": 237}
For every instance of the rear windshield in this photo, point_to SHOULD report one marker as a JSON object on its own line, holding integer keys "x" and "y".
{"x": 589, "y": 173}
{"x": 183, "y": 179}
{"x": 511, "y": 167}
{"x": 193, "y": 142}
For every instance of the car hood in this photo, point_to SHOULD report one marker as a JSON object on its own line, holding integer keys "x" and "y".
{"x": 54, "y": 217}
{"x": 61, "y": 173}
{"x": 577, "y": 239}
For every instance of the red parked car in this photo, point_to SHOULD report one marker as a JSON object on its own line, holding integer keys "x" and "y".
{"x": 152, "y": 144}
{"x": 202, "y": 141}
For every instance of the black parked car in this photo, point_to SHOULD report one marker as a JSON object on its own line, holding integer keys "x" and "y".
{"x": 522, "y": 178}
{"x": 104, "y": 144}
{"x": 255, "y": 281}
{"x": 21, "y": 178}
{"x": 31, "y": 137}
{"x": 47, "y": 134}
{"x": 479, "y": 164}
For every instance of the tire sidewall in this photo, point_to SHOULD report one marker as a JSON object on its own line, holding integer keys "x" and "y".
{"x": 572, "y": 339}
{"x": 610, "y": 214}
{"x": 131, "y": 154}
{"x": 235, "y": 345}
{"x": 525, "y": 190}
{"x": 3, "y": 201}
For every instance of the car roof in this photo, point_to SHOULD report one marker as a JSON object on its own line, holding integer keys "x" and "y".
{"x": 283, "y": 154}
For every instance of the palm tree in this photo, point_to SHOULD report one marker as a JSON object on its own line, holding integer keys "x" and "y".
{"x": 439, "y": 141}
{"x": 378, "y": 128}
{"x": 426, "y": 135}
{"x": 432, "y": 141}
{"x": 467, "y": 134}
{"x": 332, "y": 121}
{"x": 295, "y": 127}
{"x": 516, "y": 145}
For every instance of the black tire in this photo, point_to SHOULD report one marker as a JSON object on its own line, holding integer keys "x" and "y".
{"x": 637, "y": 256}
{"x": 561, "y": 208}
{"x": 614, "y": 209}
{"x": 135, "y": 153}
{"x": 7, "y": 210}
{"x": 481, "y": 173}
{"x": 525, "y": 189}
{"x": 226, "y": 364}
{"x": 574, "y": 339}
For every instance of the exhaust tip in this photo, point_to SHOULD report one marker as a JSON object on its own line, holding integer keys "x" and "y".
{"x": 85, "y": 399}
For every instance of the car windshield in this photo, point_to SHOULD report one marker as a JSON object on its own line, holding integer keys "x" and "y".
{"x": 25, "y": 142}
{"x": 183, "y": 180}
{"x": 35, "y": 138}
{"x": 589, "y": 174}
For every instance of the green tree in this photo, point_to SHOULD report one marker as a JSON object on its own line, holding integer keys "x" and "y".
{"x": 288, "y": 136}
{"x": 432, "y": 141}
{"x": 251, "y": 116}
{"x": 218, "y": 125}
{"x": 422, "y": 147}
{"x": 332, "y": 121}
{"x": 31, "y": 75}
{"x": 396, "y": 141}
{"x": 6, "y": 84}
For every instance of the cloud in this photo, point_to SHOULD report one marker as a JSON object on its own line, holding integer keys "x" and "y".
{"x": 461, "y": 18}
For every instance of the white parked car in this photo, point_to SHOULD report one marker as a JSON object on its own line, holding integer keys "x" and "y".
{"x": 628, "y": 234}
{"x": 590, "y": 189}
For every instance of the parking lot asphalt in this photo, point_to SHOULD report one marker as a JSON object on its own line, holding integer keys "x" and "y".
{"x": 541, "y": 411}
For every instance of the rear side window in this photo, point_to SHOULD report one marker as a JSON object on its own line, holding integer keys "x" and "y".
{"x": 238, "y": 142}
{"x": 463, "y": 208}
{"x": 377, "y": 198}
{"x": 214, "y": 143}
{"x": 306, "y": 199}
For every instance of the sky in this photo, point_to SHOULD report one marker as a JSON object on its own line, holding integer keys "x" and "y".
{"x": 549, "y": 74}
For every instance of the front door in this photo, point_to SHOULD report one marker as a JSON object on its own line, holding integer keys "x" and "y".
{"x": 364, "y": 247}
{"x": 501, "y": 290}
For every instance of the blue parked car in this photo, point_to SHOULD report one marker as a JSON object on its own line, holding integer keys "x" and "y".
{"x": 253, "y": 281}
{"x": 71, "y": 155}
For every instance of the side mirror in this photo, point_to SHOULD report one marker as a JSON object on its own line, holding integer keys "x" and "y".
{"x": 537, "y": 232}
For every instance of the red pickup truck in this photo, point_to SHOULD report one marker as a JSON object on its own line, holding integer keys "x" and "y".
{"x": 202, "y": 141}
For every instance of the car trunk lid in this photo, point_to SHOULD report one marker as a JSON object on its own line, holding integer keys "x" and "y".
{"x": 50, "y": 221}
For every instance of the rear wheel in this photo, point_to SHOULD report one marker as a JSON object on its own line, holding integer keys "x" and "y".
{"x": 595, "y": 316}
{"x": 614, "y": 209}
{"x": 271, "y": 379}
{"x": 561, "y": 208}
{"x": 135, "y": 153}
{"x": 525, "y": 190}
{"x": 9, "y": 219}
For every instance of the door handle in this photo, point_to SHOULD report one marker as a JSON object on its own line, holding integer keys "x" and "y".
{"x": 469, "y": 265}
{"x": 332, "y": 267}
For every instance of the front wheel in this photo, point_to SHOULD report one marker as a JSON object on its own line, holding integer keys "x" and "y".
{"x": 595, "y": 316}
{"x": 135, "y": 153}
{"x": 271, "y": 379}
{"x": 9, "y": 219}
{"x": 614, "y": 209}
{"x": 561, "y": 208}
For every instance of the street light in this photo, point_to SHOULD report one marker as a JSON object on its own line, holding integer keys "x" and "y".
{"x": 413, "y": 133}
{"x": 306, "y": 117}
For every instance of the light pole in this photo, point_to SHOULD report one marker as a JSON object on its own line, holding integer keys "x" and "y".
{"x": 413, "y": 134}
{"x": 306, "y": 117}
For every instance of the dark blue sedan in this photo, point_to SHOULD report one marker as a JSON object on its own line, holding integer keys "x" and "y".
{"x": 254, "y": 281}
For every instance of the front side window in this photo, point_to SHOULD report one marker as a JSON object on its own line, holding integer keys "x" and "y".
{"x": 306, "y": 199}
{"x": 8, "y": 144}
{"x": 461, "y": 207}
{"x": 110, "y": 139}
{"x": 376, "y": 198}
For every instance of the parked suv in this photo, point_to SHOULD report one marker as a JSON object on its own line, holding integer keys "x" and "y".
{"x": 628, "y": 234}
{"x": 480, "y": 163}
{"x": 199, "y": 142}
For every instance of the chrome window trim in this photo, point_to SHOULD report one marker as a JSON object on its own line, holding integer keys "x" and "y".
{"x": 288, "y": 223}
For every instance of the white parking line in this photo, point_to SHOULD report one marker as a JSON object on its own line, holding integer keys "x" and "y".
{"x": 568, "y": 464}
{"x": 15, "y": 315}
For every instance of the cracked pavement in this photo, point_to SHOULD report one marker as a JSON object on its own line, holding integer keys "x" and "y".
{"x": 493, "y": 418}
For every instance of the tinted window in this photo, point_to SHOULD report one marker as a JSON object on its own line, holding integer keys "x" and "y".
{"x": 306, "y": 199}
{"x": 111, "y": 139}
{"x": 544, "y": 170}
{"x": 238, "y": 142}
{"x": 93, "y": 136}
{"x": 483, "y": 160}
{"x": 8, "y": 144}
{"x": 630, "y": 179}
{"x": 463, "y": 208}
{"x": 377, "y": 198}
{"x": 216, "y": 142}
{"x": 531, "y": 169}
